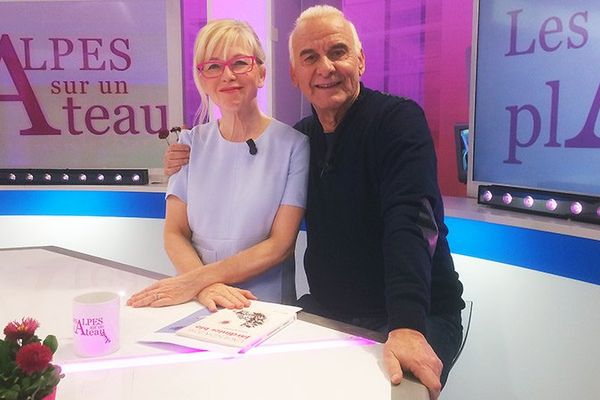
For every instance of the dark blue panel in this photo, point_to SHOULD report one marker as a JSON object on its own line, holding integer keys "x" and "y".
{"x": 82, "y": 203}
{"x": 568, "y": 256}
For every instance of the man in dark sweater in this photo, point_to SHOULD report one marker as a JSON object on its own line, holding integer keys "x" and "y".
{"x": 377, "y": 254}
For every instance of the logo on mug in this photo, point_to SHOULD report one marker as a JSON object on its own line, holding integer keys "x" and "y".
{"x": 90, "y": 327}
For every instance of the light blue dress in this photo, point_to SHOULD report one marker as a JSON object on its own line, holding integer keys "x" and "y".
{"x": 232, "y": 196}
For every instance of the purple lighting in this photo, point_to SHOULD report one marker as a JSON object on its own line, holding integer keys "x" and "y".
{"x": 197, "y": 355}
{"x": 528, "y": 201}
{"x": 576, "y": 208}
{"x": 487, "y": 196}
{"x": 551, "y": 204}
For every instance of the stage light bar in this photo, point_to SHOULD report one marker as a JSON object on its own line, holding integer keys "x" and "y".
{"x": 560, "y": 205}
{"x": 15, "y": 176}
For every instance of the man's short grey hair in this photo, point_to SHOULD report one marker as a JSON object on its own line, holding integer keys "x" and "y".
{"x": 325, "y": 12}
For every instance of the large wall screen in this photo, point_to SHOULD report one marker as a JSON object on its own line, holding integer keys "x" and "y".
{"x": 88, "y": 84}
{"x": 537, "y": 95}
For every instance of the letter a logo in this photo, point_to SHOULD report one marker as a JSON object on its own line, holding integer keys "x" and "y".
{"x": 78, "y": 327}
{"x": 39, "y": 125}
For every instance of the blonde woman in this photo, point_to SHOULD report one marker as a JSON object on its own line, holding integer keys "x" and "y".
{"x": 233, "y": 213}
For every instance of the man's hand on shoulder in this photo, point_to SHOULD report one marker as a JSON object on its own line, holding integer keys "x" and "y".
{"x": 176, "y": 156}
{"x": 407, "y": 349}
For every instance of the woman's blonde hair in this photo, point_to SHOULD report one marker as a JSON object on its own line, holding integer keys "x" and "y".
{"x": 222, "y": 34}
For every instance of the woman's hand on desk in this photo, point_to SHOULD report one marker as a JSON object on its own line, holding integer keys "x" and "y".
{"x": 167, "y": 292}
{"x": 219, "y": 294}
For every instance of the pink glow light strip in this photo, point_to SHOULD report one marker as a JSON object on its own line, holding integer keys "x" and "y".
{"x": 165, "y": 359}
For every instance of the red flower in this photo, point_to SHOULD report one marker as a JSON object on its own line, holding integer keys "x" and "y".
{"x": 33, "y": 357}
{"x": 21, "y": 330}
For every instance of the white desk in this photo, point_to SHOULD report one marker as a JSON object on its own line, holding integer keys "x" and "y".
{"x": 305, "y": 361}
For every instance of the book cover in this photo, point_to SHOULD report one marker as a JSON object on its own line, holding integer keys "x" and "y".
{"x": 240, "y": 330}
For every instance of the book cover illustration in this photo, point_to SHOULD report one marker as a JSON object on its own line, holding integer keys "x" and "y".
{"x": 241, "y": 329}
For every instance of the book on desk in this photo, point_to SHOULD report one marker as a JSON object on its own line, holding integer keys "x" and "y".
{"x": 241, "y": 329}
{"x": 228, "y": 331}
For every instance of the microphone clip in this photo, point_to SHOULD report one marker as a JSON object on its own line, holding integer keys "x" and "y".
{"x": 252, "y": 147}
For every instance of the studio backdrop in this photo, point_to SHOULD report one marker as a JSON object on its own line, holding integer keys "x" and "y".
{"x": 537, "y": 94}
{"x": 88, "y": 84}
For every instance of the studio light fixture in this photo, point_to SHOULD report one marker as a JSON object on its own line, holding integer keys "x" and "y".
{"x": 561, "y": 205}
{"x": 16, "y": 176}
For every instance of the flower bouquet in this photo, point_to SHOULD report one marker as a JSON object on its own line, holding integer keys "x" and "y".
{"x": 25, "y": 369}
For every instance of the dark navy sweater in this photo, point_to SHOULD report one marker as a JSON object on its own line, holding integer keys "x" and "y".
{"x": 367, "y": 254}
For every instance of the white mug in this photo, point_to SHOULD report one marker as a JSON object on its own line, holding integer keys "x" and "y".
{"x": 96, "y": 323}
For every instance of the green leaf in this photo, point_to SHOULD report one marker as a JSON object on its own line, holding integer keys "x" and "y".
{"x": 51, "y": 342}
{"x": 52, "y": 376}
{"x": 4, "y": 355}
{"x": 44, "y": 391}
{"x": 9, "y": 394}
{"x": 26, "y": 382}
{"x": 33, "y": 339}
